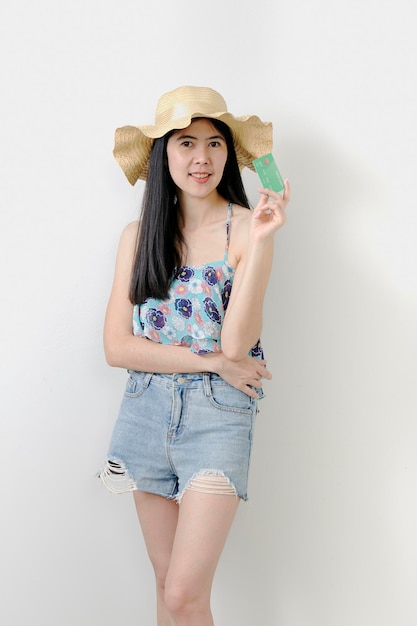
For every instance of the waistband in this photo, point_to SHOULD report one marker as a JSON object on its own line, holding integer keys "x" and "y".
{"x": 181, "y": 379}
{"x": 178, "y": 378}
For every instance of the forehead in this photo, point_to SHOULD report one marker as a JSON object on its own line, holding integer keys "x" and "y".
{"x": 200, "y": 126}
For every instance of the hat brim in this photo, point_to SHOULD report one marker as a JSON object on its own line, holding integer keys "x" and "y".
{"x": 252, "y": 138}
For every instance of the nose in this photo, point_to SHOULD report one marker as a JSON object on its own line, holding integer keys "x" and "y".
{"x": 201, "y": 155}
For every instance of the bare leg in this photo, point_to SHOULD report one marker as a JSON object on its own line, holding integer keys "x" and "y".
{"x": 204, "y": 522}
{"x": 158, "y": 519}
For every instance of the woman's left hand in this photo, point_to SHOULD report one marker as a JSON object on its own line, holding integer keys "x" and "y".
{"x": 269, "y": 214}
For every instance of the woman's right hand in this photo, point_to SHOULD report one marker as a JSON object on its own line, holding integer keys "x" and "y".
{"x": 246, "y": 374}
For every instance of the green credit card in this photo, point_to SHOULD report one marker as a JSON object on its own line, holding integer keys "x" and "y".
{"x": 268, "y": 172}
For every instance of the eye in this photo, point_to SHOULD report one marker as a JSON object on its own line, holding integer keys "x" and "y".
{"x": 214, "y": 144}
{"x": 186, "y": 143}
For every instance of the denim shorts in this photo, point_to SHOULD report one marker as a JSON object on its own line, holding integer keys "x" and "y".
{"x": 172, "y": 428}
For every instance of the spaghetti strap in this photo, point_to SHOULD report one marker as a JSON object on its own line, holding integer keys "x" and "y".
{"x": 228, "y": 220}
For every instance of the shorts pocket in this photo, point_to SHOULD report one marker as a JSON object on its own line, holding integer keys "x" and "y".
{"x": 136, "y": 384}
{"x": 227, "y": 398}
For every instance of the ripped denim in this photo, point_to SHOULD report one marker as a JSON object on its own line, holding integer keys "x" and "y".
{"x": 178, "y": 432}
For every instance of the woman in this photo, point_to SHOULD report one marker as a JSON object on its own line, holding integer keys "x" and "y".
{"x": 183, "y": 437}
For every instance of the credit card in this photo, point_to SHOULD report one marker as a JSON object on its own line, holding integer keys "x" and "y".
{"x": 268, "y": 172}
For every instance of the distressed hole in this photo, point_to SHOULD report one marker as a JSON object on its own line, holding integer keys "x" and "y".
{"x": 115, "y": 477}
{"x": 219, "y": 485}
{"x": 210, "y": 482}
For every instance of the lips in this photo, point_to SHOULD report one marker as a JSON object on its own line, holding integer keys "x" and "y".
{"x": 200, "y": 176}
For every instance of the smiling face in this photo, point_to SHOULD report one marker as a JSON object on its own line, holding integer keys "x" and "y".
{"x": 196, "y": 158}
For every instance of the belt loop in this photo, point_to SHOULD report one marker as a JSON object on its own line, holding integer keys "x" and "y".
{"x": 206, "y": 384}
{"x": 147, "y": 379}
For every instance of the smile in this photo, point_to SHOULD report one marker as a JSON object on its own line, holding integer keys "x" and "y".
{"x": 200, "y": 175}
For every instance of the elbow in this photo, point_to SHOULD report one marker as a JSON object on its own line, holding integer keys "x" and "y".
{"x": 113, "y": 362}
{"x": 112, "y": 352}
{"x": 234, "y": 351}
{"x": 234, "y": 355}
{"x": 111, "y": 356}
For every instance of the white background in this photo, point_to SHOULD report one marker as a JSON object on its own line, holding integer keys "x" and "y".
{"x": 329, "y": 536}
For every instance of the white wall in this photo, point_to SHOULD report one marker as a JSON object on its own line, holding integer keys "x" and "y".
{"x": 329, "y": 535}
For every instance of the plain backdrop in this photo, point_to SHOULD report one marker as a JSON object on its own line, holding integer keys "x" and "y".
{"x": 329, "y": 535}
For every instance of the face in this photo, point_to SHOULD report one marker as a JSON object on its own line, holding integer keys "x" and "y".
{"x": 196, "y": 158}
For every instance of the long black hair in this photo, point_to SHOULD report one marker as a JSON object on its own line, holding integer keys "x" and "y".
{"x": 160, "y": 241}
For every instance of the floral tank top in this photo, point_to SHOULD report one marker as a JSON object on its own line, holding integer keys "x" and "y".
{"x": 193, "y": 313}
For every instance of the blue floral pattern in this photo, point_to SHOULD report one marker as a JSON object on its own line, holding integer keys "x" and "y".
{"x": 184, "y": 307}
{"x": 193, "y": 313}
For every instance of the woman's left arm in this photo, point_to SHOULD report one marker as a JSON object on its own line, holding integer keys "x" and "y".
{"x": 243, "y": 320}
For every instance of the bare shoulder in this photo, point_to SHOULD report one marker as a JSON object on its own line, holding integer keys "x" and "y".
{"x": 130, "y": 233}
{"x": 241, "y": 217}
{"x": 239, "y": 228}
{"x": 128, "y": 239}
{"x": 127, "y": 247}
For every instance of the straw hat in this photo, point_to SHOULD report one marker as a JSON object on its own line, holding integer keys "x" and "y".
{"x": 252, "y": 138}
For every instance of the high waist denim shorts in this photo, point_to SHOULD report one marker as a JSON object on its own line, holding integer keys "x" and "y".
{"x": 172, "y": 428}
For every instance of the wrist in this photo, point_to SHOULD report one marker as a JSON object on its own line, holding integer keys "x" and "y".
{"x": 260, "y": 247}
{"x": 212, "y": 362}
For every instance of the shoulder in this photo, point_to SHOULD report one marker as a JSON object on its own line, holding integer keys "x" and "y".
{"x": 128, "y": 243}
{"x": 129, "y": 236}
{"x": 241, "y": 217}
{"x": 130, "y": 232}
{"x": 239, "y": 230}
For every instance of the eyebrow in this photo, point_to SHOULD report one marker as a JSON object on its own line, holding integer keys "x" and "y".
{"x": 181, "y": 137}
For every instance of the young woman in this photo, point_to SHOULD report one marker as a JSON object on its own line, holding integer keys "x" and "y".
{"x": 184, "y": 318}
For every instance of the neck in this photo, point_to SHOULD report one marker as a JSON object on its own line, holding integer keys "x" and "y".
{"x": 198, "y": 211}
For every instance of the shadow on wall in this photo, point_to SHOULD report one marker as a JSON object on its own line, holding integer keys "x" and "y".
{"x": 336, "y": 340}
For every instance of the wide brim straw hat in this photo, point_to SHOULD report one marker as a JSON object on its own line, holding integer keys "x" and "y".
{"x": 176, "y": 109}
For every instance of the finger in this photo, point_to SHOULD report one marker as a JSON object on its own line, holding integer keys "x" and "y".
{"x": 271, "y": 194}
{"x": 263, "y": 372}
{"x": 264, "y": 191}
{"x": 274, "y": 204}
{"x": 271, "y": 213}
{"x": 266, "y": 374}
{"x": 255, "y": 382}
{"x": 287, "y": 191}
{"x": 250, "y": 392}
{"x": 268, "y": 209}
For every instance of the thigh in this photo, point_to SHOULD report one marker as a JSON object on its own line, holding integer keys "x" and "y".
{"x": 158, "y": 518}
{"x": 204, "y": 522}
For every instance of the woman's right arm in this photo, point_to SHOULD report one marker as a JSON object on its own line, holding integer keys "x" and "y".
{"x": 123, "y": 349}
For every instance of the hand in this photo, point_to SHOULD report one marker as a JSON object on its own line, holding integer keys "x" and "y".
{"x": 245, "y": 375}
{"x": 269, "y": 214}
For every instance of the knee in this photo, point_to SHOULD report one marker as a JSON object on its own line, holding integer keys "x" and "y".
{"x": 182, "y": 601}
{"x": 176, "y": 599}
